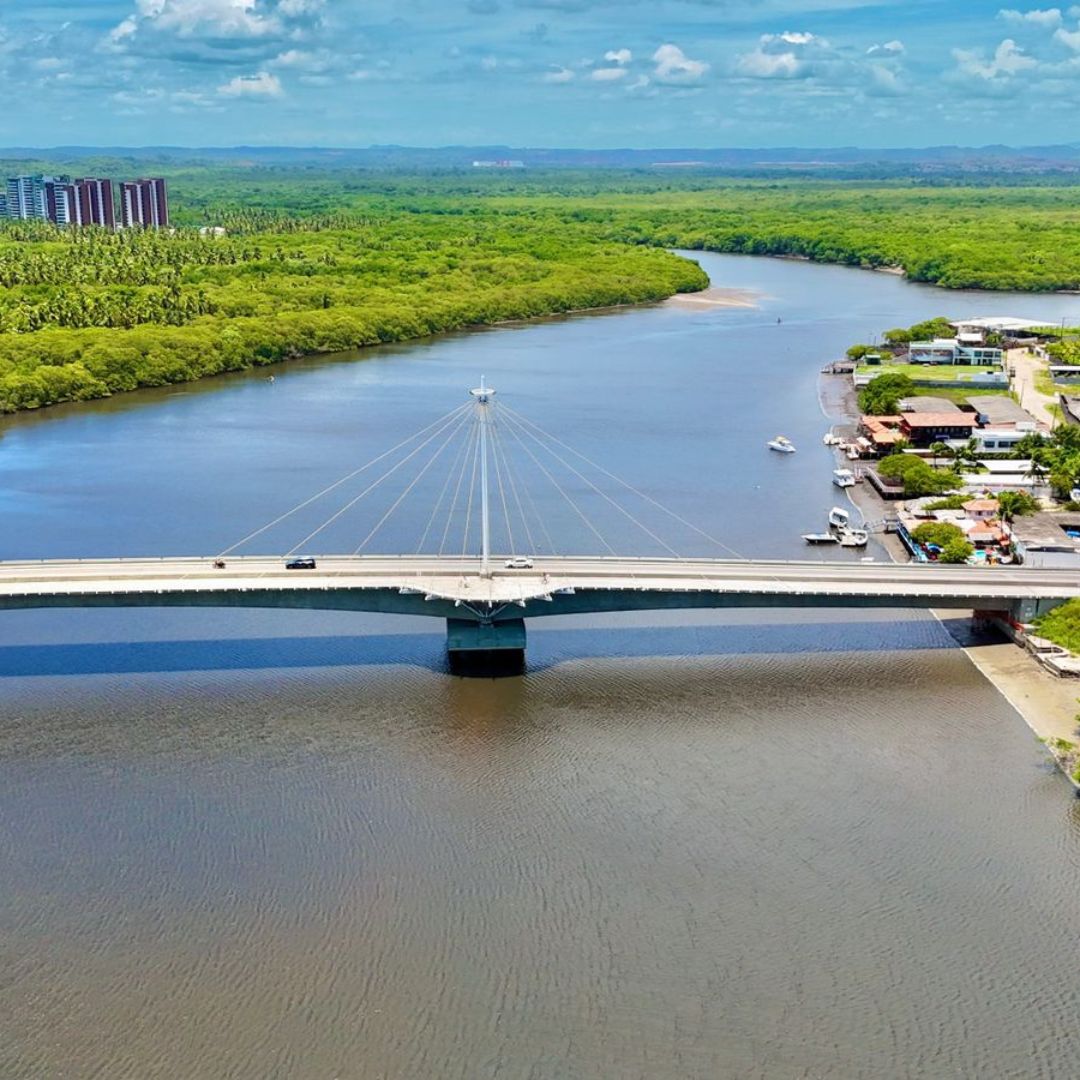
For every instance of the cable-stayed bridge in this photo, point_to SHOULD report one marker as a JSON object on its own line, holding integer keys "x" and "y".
{"x": 488, "y": 553}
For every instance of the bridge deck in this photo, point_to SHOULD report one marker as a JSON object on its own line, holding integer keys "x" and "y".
{"x": 458, "y": 580}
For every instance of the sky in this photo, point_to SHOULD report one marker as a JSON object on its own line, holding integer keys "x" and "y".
{"x": 559, "y": 73}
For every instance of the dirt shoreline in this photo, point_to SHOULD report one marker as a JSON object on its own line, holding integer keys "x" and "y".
{"x": 1048, "y": 704}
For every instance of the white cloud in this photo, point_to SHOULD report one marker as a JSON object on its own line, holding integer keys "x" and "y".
{"x": 560, "y": 75}
{"x": 1008, "y": 59}
{"x": 762, "y": 65}
{"x": 225, "y": 17}
{"x": 608, "y": 74}
{"x": 262, "y": 85}
{"x": 298, "y": 58}
{"x": 1046, "y": 17}
{"x": 221, "y": 19}
{"x": 619, "y": 56}
{"x": 1069, "y": 38}
{"x": 884, "y": 81}
{"x": 782, "y": 56}
{"x": 890, "y": 48}
{"x": 674, "y": 66}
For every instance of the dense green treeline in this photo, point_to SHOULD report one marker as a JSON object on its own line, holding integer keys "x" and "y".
{"x": 991, "y": 237}
{"x": 317, "y": 261}
{"x": 129, "y": 310}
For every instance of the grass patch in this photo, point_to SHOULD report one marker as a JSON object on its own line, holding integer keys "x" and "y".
{"x": 1062, "y": 625}
{"x": 933, "y": 372}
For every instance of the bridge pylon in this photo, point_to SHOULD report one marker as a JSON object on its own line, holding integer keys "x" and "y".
{"x": 486, "y": 649}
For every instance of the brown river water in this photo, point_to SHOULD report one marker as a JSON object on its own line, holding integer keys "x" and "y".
{"x": 288, "y": 844}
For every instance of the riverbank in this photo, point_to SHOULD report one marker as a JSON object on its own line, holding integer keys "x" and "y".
{"x": 1049, "y": 705}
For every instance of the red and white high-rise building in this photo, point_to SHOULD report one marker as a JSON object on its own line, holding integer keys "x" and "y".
{"x": 144, "y": 202}
{"x": 95, "y": 202}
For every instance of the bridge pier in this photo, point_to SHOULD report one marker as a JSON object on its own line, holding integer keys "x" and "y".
{"x": 1029, "y": 609}
{"x": 485, "y": 650}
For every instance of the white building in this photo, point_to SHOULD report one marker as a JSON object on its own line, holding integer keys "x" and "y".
{"x": 953, "y": 351}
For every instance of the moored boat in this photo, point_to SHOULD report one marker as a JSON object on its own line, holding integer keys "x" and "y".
{"x": 854, "y": 538}
{"x": 839, "y": 518}
{"x": 821, "y": 538}
{"x": 843, "y": 478}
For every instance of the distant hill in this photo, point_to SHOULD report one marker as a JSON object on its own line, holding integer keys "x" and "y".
{"x": 933, "y": 166}
{"x": 1038, "y": 158}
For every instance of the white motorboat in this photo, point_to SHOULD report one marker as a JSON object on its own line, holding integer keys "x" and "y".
{"x": 839, "y": 518}
{"x": 781, "y": 444}
{"x": 831, "y": 440}
{"x": 854, "y": 538}
{"x": 843, "y": 478}
{"x": 821, "y": 538}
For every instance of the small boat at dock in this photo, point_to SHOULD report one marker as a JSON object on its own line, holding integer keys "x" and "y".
{"x": 821, "y": 538}
{"x": 843, "y": 478}
{"x": 781, "y": 444}
{"x": 854, "y": 538}
{"x": 839, "y": 518}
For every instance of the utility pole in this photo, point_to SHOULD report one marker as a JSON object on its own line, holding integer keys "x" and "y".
{"x": 483, "y": 394}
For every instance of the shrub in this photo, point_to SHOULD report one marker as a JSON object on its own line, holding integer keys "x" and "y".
{"x": 882, "y": 396}
{"x": 956, "y": 551}
{"x": 940, "y": 533}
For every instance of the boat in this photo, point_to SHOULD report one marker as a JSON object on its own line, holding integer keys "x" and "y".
{"x": 843, "y": 478}
{"x": 854, "y": 538}
{"x": 821, "y": 538}
{"x": 781, "y": 444}
{"x": 853, "y": 453}
{"x": 830, "y": 439}
{"x": 839, "y": 518}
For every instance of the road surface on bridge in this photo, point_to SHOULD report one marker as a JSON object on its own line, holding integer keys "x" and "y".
{"x": 459, "y": 579}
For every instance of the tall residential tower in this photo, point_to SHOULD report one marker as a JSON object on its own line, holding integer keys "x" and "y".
{"x": 144, "y": 202}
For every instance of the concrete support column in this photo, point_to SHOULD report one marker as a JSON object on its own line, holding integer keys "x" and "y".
{"x": 1026, "y": 611}
{"x": 486, "y": 650}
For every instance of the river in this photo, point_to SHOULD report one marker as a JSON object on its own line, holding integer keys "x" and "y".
{"x": 273, "y": 844}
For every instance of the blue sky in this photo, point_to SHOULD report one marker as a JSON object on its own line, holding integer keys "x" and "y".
{"x": 573, "y": 73}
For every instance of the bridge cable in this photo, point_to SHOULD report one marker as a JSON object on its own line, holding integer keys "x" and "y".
{"x": 374, "y": 484}
{"x": 512, "y": 467}
{"x": 558, "y": 487}
{"x": 412, "y": 484}
{"x": 640, "y": 494}
{"x": 472, "y": 493}
{"x": 472, "y": 439}
{"x": 500, "y": 450}
{"x": 343, "y": 480}
{"x": 445, "y": 488}
{"x": 502, "y": 492}
{"x": 607, "y": 498}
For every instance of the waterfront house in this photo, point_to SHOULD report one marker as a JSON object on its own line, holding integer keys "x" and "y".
{"x": 953, "y": 351}
{"x": 922, "y": 429}
{"x": 879, "y": 434}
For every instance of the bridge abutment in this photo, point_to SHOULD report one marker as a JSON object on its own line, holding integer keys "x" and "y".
{"x": 485, "y": 650}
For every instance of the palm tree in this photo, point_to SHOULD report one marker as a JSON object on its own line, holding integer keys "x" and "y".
{"x": 940, "y": 450}
{"x": 967, "y": 456}
{"x": 1038, "y": 467}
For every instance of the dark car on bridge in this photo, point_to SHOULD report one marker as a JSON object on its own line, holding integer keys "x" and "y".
{"x": 299, "y": 564}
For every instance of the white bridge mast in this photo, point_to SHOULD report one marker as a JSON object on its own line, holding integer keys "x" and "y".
{"x": 483, "y": 394}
